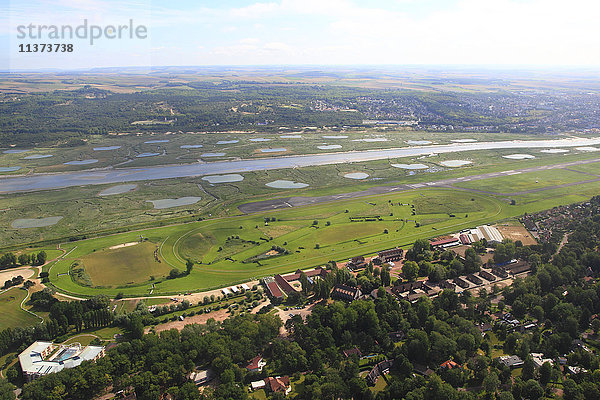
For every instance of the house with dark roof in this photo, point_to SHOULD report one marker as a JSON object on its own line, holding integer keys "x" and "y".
{"x": 356, "y": 263}
{"x": 487, "y": 276}
{"x": 510, "y": 361}
{"x": 283, "y": 284}
{"x": 391, "y": 255}
{"x": 344, "y": 292}
{"x": 461, "y": 282}
{"x": 381, "y": 368}
{"x": 475, "y": 279}
{"x": 500, "y": 272}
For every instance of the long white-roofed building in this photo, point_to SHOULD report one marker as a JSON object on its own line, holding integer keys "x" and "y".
{"x": 43, "y": 358}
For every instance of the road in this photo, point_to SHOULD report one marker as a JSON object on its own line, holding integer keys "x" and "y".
{"x": 288, "y": 202}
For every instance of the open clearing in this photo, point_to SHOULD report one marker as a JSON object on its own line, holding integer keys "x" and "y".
{"x": 7, "y": 274}
{"x": 11, "y": 315}
{"x": 524, "y": 181}
{"x": 124, "y": 265}
{"x": 516, "y": 232}
{"x": 25, "y": 223}
{"x": 223, "y": 248}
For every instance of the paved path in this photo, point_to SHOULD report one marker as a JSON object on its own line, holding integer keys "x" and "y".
{"x": 287, "y": 202}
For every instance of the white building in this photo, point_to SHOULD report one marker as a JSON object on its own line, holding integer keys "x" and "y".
{"x": 43, "y": 358}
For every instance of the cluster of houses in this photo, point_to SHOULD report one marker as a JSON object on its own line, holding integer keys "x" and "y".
{"x": 539, "y": 360}
{"x": 278, "y": 285}
{"x": 511, "y": 324}
{"x": 544, "y": 223}
{"x": 277, "y": 384}
{"x": 412, "y": 291}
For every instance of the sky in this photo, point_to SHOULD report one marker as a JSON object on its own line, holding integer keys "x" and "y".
{"x": 537, "y": 33}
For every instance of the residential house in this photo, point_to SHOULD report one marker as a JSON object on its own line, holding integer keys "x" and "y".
{"x": 344, "y": 292}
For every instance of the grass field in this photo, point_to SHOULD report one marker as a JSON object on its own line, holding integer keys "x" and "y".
{"x": 593, "y": 168}
{"x": 11, "y": 314}
{"x": 526, "y": 181}
{"x": 87, "y": 214}
{"x": 220, "y": 246}
{"x": 221, "y": 261}
{"x": 126, "y": 265}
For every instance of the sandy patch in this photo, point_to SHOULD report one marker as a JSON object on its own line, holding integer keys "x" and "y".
{"x": 516, "y": 233}
{"x": 120, "y": 246}
{"x": 25, "y": 272}
{"x": 220, "y": 315}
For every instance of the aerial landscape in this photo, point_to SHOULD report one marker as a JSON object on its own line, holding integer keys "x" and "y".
{"x": 265, "y": 214}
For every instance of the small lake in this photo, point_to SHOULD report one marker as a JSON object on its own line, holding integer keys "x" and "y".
{"x": 519, "y": 156}
{"x": 9, "y": 169}
{"x": 329, "y": 147}
{"x": 455, "y": 163}
{"x": 356, "y": 175}
{"x": 223, "y": 178}
{"x": 227, "y": 141}
{"x": 25, "y": 223}
{"x": 81, "y": 162}
{"x": 191, "y": 146}
{"x": 335, "y": 137}
{"x": 119, "y": 189}
{"x": 260, "y": 139}
{"x": 587, "y": 148}
{"x": 212, "y": 154}
{"x": 169, "y": 203}
{"x": 157, "y": 141}
{"x": 147, "y": 155}
{"x": 554, "y": 151}
{"x": 283, "y": 184}
{"x": 275, "y": 150}
{"x": 290, "y": 136}
{"x": 37, "y": 156}
{"x": 410, "y": 166}
{"x": 14, "y": 151}
{"x": 105, "y": 148}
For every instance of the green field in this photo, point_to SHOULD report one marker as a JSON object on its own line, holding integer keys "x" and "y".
{"x": 129, "y": 265}
{"x": 526, "y": 181}
{"x": 11, "y": 314}
{"x": 593, "y": 168}
{"x": 221, "y": 246}
{"x": 85, "y": 213}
